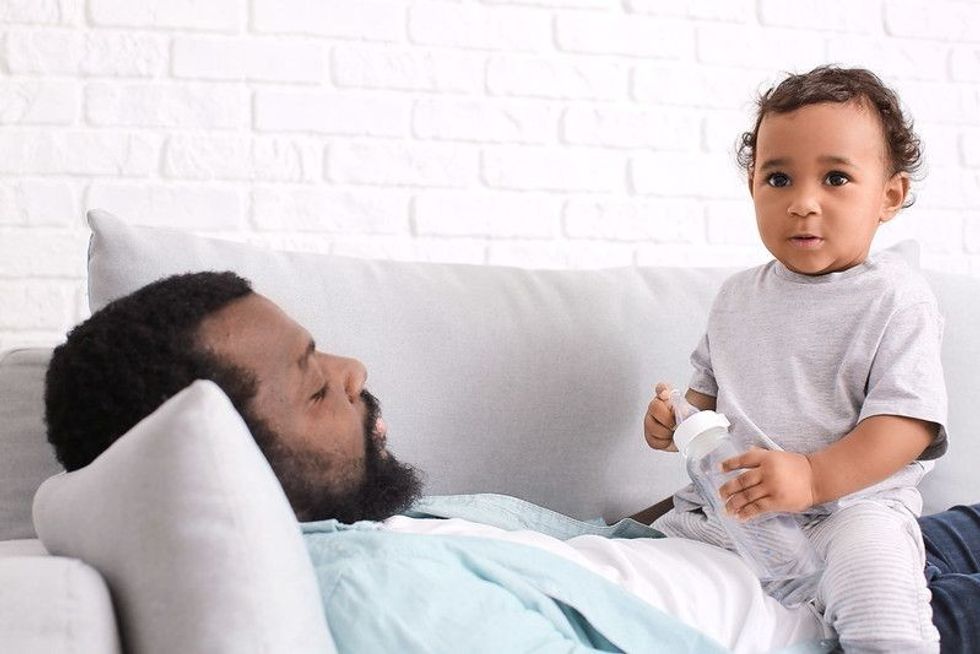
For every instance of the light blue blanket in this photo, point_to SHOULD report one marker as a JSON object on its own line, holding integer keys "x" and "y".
{"x": 396, "y": 592}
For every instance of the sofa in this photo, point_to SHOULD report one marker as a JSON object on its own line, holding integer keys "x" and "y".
{"x": 530, "y": 383}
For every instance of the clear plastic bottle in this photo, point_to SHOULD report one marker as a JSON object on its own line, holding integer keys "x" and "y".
{"x": 773, "y": 545}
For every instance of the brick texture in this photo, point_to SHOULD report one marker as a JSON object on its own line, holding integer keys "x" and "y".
{"x": 539, "y": 133}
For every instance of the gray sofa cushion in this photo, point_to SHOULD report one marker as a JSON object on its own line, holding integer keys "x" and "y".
{"x": 52, "y": 604}
{"x": 26, "y": 458}
{"x": 492, "y": 379}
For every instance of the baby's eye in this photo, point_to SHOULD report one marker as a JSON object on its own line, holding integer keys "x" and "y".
{"x": 837, "y": 179}
{"x": 778, "y": 180}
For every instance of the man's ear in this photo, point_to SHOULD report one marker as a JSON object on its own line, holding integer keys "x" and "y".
{"x": 893, "y": 197}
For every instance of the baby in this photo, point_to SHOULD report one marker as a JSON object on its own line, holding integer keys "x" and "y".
{"x": 828, "y": 358}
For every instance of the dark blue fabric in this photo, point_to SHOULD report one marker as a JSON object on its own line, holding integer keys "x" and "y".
{"x": 952, "y": 540}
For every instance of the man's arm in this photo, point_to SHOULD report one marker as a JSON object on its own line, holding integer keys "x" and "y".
{"x": 651, "y": 513}
{"x": 786, "y": 481}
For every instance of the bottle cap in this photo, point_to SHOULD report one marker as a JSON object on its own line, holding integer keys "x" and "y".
{"x": 696, "y": 425}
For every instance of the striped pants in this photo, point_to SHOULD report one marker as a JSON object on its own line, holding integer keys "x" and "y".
{"x": 873, "y": 592}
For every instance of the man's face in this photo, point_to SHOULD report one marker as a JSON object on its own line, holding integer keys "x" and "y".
{"x": 320, "y": 429}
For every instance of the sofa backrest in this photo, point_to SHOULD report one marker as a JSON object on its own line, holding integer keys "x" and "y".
{"x": 492, "y": 379}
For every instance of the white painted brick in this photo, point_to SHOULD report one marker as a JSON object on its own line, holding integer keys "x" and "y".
{"x": 834, "y": 15}
{"x": 933, "y": 19}
{"x": 970, "y": 147}
{"x": 722, "y": 130}
{"x": 619, "y": 127}
{"x": 564, "y": 78}
{"x": 964, "y": 63}
{"x": 217, "y": 15}
{"x": 554, "y": 169}
{"x": 732, "y": 222}
{"x": 949, "y": 188}
{"x": 262, "y": 59}
{"x": 686, "y": 256}
{"x": 470, "y": 26}
{"x": 663, "y": 221}
{"x": 638, "y": 36}
{"x": 440, "y": 250}
{"x": 176, "y": 206}
{"x": 971, "y": 233}
{"x": 755, "y": 47}
{"x": 43, "y": 12}
{"x": 50, "y": 152}
{"x": 677, "y": 174}
{"x": 731, "y": 11}
{"x": 941, "y": 103}
{"x": 33, "y": 202}
{"x": 42, "y": 252}
{"x": 326, "y": 209}
{"x": 48, "y": 52}
{"x": 333, "y": 113}
{"x": 492, "y": 215}
{"x": 30, "y": 102}
{"x": 192, "y": 156}
{"x": 695, "y": 86}
{"x": 402, "y": 164}
{"x": 890, "y": 58}
{"x": 485, "y": 121}
{"x": 370, "y": 20}
{"x": 560, "y": 4}
{"x": 407, "y": 69}
{"x": 580, "y": 255}
{"x": 30, "y": 304}
{"x": 940, "y": 144}
{"x": 217, "y": 106}
{"x": 935, "y": 231}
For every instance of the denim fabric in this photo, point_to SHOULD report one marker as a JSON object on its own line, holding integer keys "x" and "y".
{"x": 952, "y": 540}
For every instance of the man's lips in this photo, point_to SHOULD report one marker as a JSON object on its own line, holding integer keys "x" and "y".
{"x": 381, "y": 432}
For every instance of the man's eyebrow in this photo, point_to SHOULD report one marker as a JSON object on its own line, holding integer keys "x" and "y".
{"x": 304, "y": 360}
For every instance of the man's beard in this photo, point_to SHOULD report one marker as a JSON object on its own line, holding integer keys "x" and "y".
{"x": 318, "y": 490}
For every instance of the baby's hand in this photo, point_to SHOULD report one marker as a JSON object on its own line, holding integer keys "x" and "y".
{"x": 774, "y": 481}
{"x": 658, "y": 423}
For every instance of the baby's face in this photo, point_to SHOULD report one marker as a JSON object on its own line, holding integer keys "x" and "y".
{"x": 821, "y": 186}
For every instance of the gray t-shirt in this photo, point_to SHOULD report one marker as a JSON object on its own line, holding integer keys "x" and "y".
{"x": 797, "y": 361}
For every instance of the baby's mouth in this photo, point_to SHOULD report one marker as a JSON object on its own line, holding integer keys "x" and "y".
{"x": 806, "y": 241}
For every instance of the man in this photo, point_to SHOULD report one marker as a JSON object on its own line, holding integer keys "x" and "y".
{"x": 510, "y": 589}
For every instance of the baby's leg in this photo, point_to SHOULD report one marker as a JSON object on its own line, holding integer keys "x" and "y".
{"x": 873, "y": 589}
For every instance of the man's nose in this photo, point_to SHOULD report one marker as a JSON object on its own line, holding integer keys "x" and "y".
{"x": 352, "y": 374}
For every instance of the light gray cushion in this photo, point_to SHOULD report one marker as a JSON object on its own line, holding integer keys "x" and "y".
{"x": 26, "y": 458}
{"x": 954, "y": 480}
{"x": 493, "y": 379}
{"x": 530, "y": 383}
{"x": 54, "y": 605}
{"x": 187, "y": 523}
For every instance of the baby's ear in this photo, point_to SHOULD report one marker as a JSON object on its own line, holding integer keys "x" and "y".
{"x": 893, "y": 198}
{"x": 751, "y": 178}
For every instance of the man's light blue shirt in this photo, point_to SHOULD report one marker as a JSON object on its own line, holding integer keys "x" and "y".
{"x": 397, "y": 592}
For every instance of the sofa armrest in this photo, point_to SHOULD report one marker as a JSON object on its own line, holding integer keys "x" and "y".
{"x": 54, "y": 604}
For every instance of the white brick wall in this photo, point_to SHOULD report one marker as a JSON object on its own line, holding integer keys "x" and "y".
{"x": 569, "y": 133}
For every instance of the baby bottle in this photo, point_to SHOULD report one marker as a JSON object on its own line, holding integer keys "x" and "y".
{"x": 773, "y": 545}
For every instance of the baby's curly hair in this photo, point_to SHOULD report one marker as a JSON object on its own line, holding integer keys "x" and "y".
{"x": 835, "y": 84}
{"x": 131, "y": 356}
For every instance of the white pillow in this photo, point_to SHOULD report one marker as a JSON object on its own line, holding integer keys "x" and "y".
{"x": 190, "y": 528}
